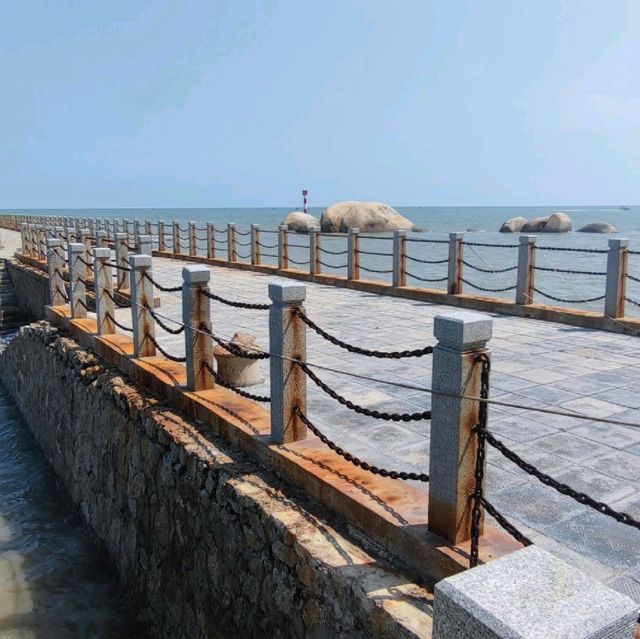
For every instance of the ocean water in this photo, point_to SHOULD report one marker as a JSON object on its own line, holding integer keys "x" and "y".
{"x": 481, "y": 226}
{"x": 54, "y": 582}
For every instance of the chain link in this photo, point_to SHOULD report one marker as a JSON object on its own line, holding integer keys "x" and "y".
{"x": 217, "y": 298}
{"x": 488, "y": 290}
{"x": 569, "y": 301}
{"x": 418, "y": 352}
{"x": 376, "y": 414}
{"x": 383, "y": 472}
{"x": 568, "y": 270}
{"x": 421, "y": 261}
{"x": 233, "y": 348}
{"x": 234, "y": 388}
{"x": 160, "y": 287}
{"x": 173, "y": 358}
{"x": 489, "y": 270}
{"x": 120, "y": 326}
{"x": 162, "y": 325}
{"x": 425, "y": 279}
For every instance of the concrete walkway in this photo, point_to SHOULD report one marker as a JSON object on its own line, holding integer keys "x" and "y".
{"x": 535, "y": 363}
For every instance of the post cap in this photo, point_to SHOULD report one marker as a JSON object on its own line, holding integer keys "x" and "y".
{"x": 140, "y": 261}
{"x": 196, "y": 274}
{"x": 287, "y": 292}
{"x": 462, "y": 330}
{"x": 456, "y": 236}
{"x": 121, "y": 236}
{"x": 75, "y": 247}
{"x": 145, "y": 238}
{"x": 85, "y": 231}
{"x": 528, "y": 239}
{"x": 618, "y": 243}
{"x": 101, "y": 253}
{"x": 353, "y": 230}
{"x": 255, "y": 226}
{"x": 53, "y": 242}
{"x": 398, "y": 233}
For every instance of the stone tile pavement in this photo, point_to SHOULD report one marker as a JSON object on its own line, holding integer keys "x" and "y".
{"x": 535, "y": 363}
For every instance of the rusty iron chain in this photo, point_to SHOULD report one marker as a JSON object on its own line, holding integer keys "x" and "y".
{"x": 570, "y": 250}
{"x": 487, "y": 245}
{"x": 330, "y": 252}
{"x": 563, "y": 489}
{"x": 489, "y": 270}
{"x": 234, "y": 388}
{"x": 267, "y": 246}
{"x": 114, "y": 299}
{"x": 85, "y": 262}
{"x": 421, "y": 261}
{"x": 376, "y": 414}
{"x": 118, "y": 267}
{"x": 569, "y": 301}
{"x": 505, "y": 523}
{"x": 120, "y": 326}
{"x": 333, "y": 265}
{"x": 425, "y": 279}
{"x": 378, "y": 253}
{"x": 488, "y": 290}
{"x": 162, "y": 325}
{"x": 375, "y": 270}
{"x": 160, "y": 287}
{"x": 173, "y": 358}
{"x": 217, "y": 298}
{"x": 548, "y": 269}
{"x": 418, "y": 352}
{"x": 375, "y": 470}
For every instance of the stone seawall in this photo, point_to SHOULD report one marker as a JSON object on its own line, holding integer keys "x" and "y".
{"x": 206, "y": 542}
{"x": 31, "y": 287}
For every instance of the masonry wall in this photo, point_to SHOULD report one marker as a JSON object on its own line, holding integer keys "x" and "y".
{"x": 206, "y": 543}
{"x": 31, "y": 287}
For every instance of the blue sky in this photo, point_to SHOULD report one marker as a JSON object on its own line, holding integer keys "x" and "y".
{"x": 245, "y": 102}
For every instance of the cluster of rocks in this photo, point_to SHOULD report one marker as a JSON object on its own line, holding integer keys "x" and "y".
{"x": 555, "y": 223}
{"x": 369, "y": 217}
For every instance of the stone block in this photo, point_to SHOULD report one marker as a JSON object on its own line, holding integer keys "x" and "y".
{"x": 530, "y": 594}
{"x": 462, "y": 330}
{"x": 286, "y": 292}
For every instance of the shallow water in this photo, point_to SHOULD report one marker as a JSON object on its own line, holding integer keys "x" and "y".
{"x": 54, "y": 582}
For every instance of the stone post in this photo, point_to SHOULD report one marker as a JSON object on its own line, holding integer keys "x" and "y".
{"x": 314, "y": 251}
{"x": 283, "y": 247}
{"x": 136, "y": 231}
{"x": 77, "y": 288}
{"x": 141, "y": 297}
{"x": 42, "y": 255}
{"x": 255, "y": 244}
{"x": 462, "y": 336}
{"x": 122, "y": 260}
{"x": 59, "y": 233}
{"x": 103, "y": 288}
{"x": 211, "y": 241}
{"x": 101, "y": 239}
{"x": 161, "y": 242}
{"x": 196, "y": 315}
{"x": 353, "y": 254}
{"x": 32, "y": 241}
{"x": 145, "y": 245}
{"x": 231, "y": 243}
{"x": 399, "y": 258}
{"x": 530, "y": 593}
{"x": 287, "y": 339}
{"x": 193, "y": 244}
{"x": 147, "y": 227}
{"x": 616, "y": 287}
{"x": 55, "y": 261}
{"x": 176, "y": 238}
{"x": 454, "y": 280}
{"x": 526, "y": 269}
{"x": 24, "y": 229}
{"x": 85, "y": 240}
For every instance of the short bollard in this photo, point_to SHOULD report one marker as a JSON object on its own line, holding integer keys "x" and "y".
{"x": 462, "y": 337}
{"x": 526, "y": 269}
{"x": 196, "y": 317}
{"x": 399, "y": 258}
{"x": 353, "y": 254}
{"x": 530, "y": 594}
{"x": 141, "y": 301}
{"x": 103, "y": 286}
{"x": 122, "y": 261}
{"x": 77, "y": 288}
{"x": 287, "y": 341}
{"x": 55, "y": 260}
{"x": 614, "y": 301}
{"x": 283, "y": 247}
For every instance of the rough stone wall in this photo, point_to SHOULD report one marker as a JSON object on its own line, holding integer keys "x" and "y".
{"x": 206, "y": 543}
{"x": 32, "y": 289}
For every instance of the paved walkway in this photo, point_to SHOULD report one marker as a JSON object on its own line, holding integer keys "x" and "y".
{"x": 535, "y": 363}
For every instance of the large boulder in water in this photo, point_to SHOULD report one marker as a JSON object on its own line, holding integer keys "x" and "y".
{"x": 598, "y": 227}
{"x": 369, "y": 217}
{"x": 514, "y": 225}
{"x": 300, "y": 221}
{"x": 554, "y": 223}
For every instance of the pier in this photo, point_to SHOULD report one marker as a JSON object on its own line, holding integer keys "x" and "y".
{"x": 359, "y": 390}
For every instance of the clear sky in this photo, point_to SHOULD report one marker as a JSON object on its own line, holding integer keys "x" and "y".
{"x": 131, "y": 103}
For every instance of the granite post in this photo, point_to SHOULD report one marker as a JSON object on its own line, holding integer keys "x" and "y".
{"x": 454, "y": 276}
{"x": 77, "y": 288}
{"x": 399, "y": 258}
{"x": 616, "y": 286}
{"x": 55, "y": 261}
{"x": 353, "y": 254}
{"x": 141, "y": 302}
{"x": 526, "y": 269}
{"x": 122, "y": 260}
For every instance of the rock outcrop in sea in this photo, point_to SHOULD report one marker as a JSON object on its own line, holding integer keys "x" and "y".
{"x": 300, "y": 221}
{"x": 598, "y": 227}
{"x": 555, "y": 223}
{"x": 369, "y": 217}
